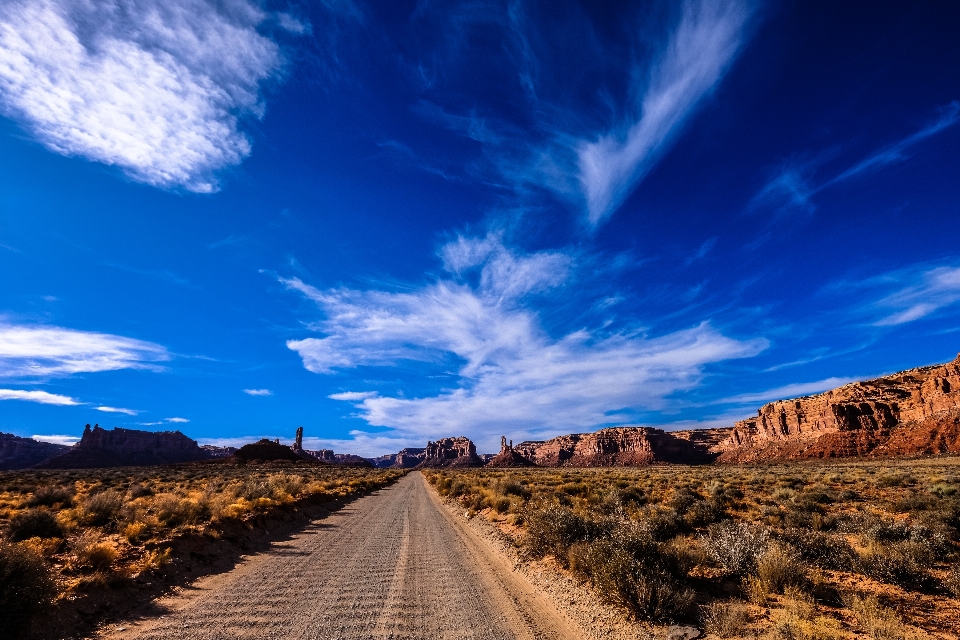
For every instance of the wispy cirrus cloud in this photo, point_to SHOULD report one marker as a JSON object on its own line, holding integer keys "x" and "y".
{"x": 900, "y": 296}
{"x": 793, "y": 390}
{"x": 129, "y": 412}
{"x": 593, "y": 155}
{"x": 696, "y": 57}
{"x": 155, "y": 88}
{"x": 510, "y": 373}
{"x": 794, "y": 186}
{"x": 177, "y": 420}
{"x": 922, "y": 293}
{"x": 41, "y": 397}
{"x": 258, "y": 392}
{"x": 32, "y": 350}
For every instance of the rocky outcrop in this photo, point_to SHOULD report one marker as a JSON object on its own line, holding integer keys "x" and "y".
{"x": 857, "y": 419}
{"x": 99, "y": 448}
{"x": 343, "y": 459}
{"x": 266, "y": 450}
{"x": 218, "y": 452}
{"x": 615, "y": 447}
{"x": 451, "y": 452}
{"x": 21, "y": 453}
{"x": 408, "y": 458}
{"x": 507, "y": 457}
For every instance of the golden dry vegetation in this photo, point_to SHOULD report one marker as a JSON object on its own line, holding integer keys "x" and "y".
{"x": 66, "y": 534}
{"x": 789, "y": 551}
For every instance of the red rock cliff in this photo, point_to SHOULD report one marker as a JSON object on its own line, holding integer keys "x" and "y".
{"x": 854, "y": 419}
{"x": 615, "y": 446}
{"x": 21, "y": 453}
{"x": 127, "y": 447}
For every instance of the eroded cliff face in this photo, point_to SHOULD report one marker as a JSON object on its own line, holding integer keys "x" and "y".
{"x": 21, "y": 453}
{"x": 451, "y": 452}
{"x": 613, "y": 447}
{"x": 855, "y": 419}
{"x": 127, "y": 447}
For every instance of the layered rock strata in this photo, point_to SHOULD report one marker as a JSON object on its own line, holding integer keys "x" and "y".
{"x": 99, "y": 448}
{"x": 507, "y": 457}
{"x": 856, "y": 419}
{"x": 21, "y": 453}
{"x": 451, "y": 452}
{"x": 615, "y": 447}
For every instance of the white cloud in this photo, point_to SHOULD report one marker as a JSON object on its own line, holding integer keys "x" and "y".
{"x": 792, "y": 187}
{"x": 897, "y": 151}
{"x": 58, "y": 439}
{"x": 513, "y": 375}
{"x": 152, "y": 87}
{"x": 351, "y": 396}
{"x": 258, "y": 392}
{"x": 902, "y": 296}
{"x": 788, "y": 391}
{"x": 129, "y": 412}
{"x": 695, "y": 59}
{"x": 179, "y": 420}
{"x": 37, "y": 396}
{"x": 55, "y": 351}
{"x": 925, "y": 292}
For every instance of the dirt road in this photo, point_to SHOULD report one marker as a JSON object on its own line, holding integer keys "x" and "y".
{"x": 391, "y": 565}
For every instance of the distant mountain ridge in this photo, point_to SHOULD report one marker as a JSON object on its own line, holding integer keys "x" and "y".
{"x": 100, "y": 448}
{"x": 909, "y": 413}
{"x": 21, "y": 453}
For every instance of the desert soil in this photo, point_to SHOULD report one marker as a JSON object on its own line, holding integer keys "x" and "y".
{"x": 395, "y": 564}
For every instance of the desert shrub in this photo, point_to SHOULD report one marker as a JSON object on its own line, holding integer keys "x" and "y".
{"x": 735, "y": 546}
{"x": 458, "y": 488}
{"x": 290, "y": 484}
{"x": 153, "y": 560}
{"x": 26, "y": 587}
{"x": 896, "y": 563}
{"x": 703, "y": 512}
{"x": 724, "y": 619}
{"x": 173, "y": 511}
{"x": 894, "y": 480}
{"x": 34, "y": 523}
{"x": 102, "y": 508}
{"x": 135, "y": 531}
{"x": 779, "y": 567}
{"x": 682, "y": 500}
{"x": 627, "y": 496}
{"x": 877, "y": 621}
{"x": 663, "y": 524}
{"x": 952, "y": 581}
{"x": 139, "y": 491}
{"x": 551, "y": 529}
{"x": 511, "y": 487}
{"x": 626, "y": 569}
{"x": 501, "y": 505}
{"x": 93, "y": 553}
{"x": 50, "y": 496}
{"x": 821, "y": 549}
{"x": 254, "y": 489}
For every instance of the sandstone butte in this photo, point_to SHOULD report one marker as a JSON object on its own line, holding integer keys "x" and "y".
{"x": 126, "y": 447}
{"x": 914, "y": 412}
{"x": 21, "y": 453}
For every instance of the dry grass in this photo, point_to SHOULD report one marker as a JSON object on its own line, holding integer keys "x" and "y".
{"x": 815, "y": 546}
{"x": 83, "y": 529}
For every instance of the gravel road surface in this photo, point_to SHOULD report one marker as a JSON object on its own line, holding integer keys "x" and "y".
{"x": 395, "y": 564}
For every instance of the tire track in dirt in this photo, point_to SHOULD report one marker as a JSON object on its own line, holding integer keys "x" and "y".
{"x": 394, "y": 564}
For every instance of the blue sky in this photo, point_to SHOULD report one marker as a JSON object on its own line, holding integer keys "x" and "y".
{"x": 393, "y": 222}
